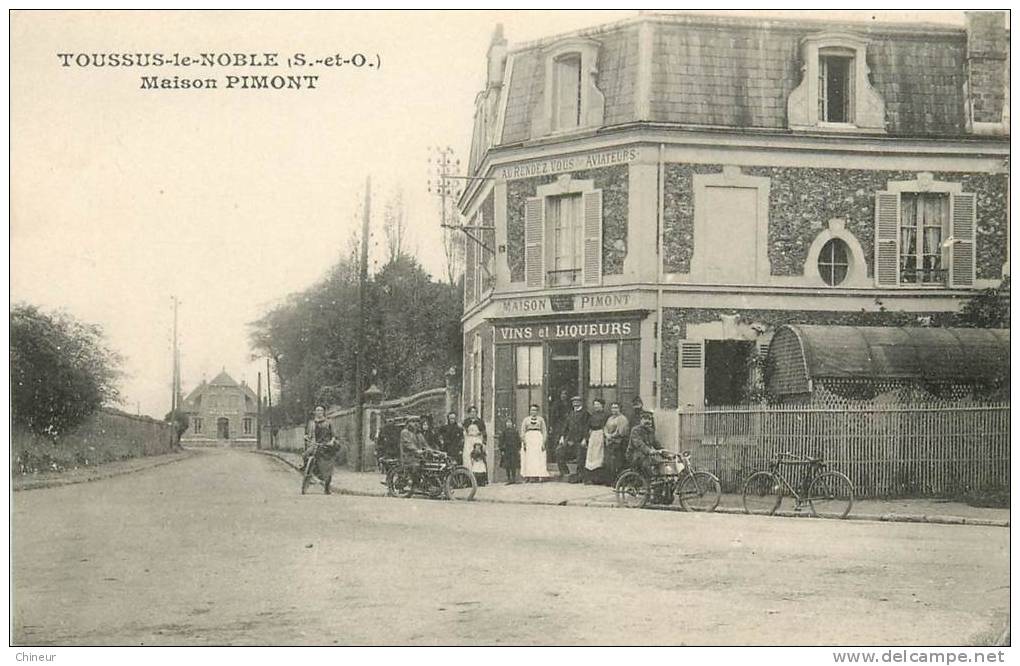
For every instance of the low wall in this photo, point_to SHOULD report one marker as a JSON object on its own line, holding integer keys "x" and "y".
{"x": 107, "y": 436}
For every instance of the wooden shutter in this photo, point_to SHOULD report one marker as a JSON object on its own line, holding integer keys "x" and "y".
{"x": 887, "y": 239}
{"x": 593, "y": 237}
{"x": 962, "y": 225}
{"x": 690, "y": 375}
{"x": 504, "y": 369}
{"x": 628, "y": 371}
{"x": 534, "y": 232}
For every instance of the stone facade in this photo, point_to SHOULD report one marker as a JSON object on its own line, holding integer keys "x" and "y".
{"x": 221, "y": 413}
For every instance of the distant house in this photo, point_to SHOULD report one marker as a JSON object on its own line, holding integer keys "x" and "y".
{"x": 221, "y": 413}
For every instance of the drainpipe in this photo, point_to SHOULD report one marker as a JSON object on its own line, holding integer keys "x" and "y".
{"x": 660, "y": 187}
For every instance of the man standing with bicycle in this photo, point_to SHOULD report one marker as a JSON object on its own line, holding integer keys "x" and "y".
{"x": 322, "y": 448}
{"x": 643, "y": 451}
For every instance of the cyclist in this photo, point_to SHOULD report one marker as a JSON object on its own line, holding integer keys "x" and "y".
{"x": 322, "y": 446}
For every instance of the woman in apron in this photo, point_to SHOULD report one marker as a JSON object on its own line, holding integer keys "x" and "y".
{"x": 596, "y": 440}
{"x": 533, "y": 460}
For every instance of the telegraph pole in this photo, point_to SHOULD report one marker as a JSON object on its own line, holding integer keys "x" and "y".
{"x": 258, "y": 415}
{"x": 269, "y": 394}
{"x": 175, "y": 399}
{"x": 444, "y": 166}
{"x": 359, "y": 367}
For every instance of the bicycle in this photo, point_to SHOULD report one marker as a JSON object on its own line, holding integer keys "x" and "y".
{"x": 312, "y": 460}
{"x": 826, "y": 493}
{"x": 673, "y": 476}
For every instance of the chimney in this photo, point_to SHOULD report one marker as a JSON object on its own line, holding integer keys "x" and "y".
{"x": 987, "y": 70}
{"x": 496, "y": 58}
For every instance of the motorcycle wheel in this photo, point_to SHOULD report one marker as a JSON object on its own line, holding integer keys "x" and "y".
{"x": 399, "y": 483}
{"x": 461, "y": 485}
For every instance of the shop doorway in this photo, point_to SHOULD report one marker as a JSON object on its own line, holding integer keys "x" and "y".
{"x": 727, "y": 371}
{"x": 564, "y": 375}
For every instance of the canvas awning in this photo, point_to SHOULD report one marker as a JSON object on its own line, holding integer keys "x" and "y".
{"x": 799, "y": 353}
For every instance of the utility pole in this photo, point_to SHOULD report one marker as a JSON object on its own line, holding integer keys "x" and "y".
{"x": 175, "y": 399}
{"x": 359, "y": 367}
{"x": 269, "y": 393}
{"x": 258, "y": 415}
{"x": 443, "y": 183}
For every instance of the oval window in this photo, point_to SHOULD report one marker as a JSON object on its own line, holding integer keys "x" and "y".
{"x": 834, "y": 262}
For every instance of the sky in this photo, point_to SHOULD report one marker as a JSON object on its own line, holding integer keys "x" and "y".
{"x": 232, "y": 199}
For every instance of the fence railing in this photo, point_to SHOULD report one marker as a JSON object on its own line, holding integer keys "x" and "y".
{"x": 916, "y": 450}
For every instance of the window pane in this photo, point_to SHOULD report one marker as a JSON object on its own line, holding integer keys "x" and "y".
{"x": 536, "y": 365}
{"x": 594, "y": 365}
{"x": 609, "y": 364}
{"x": 568, "y": 91}
{"x": 838, "y": 274}
{"x": 523, "y": 365}
{"x": 836, "y": 73}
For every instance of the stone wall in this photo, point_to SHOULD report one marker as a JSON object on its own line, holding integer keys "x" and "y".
{"x": 802, "y": 200}
{"x": 107, "y": 436}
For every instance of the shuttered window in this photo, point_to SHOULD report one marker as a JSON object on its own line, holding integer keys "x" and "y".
{"x": 563, "y": 240}
{"x": 924, "y": 238}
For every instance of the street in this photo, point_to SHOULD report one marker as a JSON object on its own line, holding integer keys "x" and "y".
{"x": 222, "y": 549}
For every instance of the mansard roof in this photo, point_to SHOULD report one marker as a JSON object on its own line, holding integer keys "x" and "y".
{"x": 738, "y": 72}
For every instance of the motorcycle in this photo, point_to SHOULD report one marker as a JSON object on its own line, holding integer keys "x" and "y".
{"x": 437, "y": 476}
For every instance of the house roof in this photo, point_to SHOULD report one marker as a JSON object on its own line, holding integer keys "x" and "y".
{"x": 799, "y": 353}
{"x": 223, "y": 379}
{"x": 738, "y": 72}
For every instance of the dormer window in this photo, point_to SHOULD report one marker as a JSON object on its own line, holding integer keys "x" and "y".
{"x": 835, "y": 93}
{"x": 835, "y": 86}
{"x": 570, "y": 99}
{"x": 567, "y": 90}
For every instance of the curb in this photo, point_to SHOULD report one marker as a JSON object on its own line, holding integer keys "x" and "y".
{"x": 884, "y": 518}
{"x": 102, "y": 475}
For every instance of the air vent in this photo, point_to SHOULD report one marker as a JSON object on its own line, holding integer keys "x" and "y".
{"x": 690, "y": 355}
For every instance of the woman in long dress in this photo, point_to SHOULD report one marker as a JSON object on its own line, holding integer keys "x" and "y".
{"x": 595, "y": 458}
{"x": 533, "y": 433}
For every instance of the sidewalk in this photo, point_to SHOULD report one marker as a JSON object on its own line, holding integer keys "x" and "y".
{"x": 85, "y": 474}
{"x": 563, "y": 494}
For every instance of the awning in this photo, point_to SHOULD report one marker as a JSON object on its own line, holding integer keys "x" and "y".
{"x": 799, "y": 353}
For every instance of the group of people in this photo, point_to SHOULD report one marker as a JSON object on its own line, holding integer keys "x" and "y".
{"x": 464, "y": 442}
{"x": 600, "y": 443}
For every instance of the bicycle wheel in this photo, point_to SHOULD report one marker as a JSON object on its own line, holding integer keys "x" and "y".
{"x": 831, "y": 495}
{"x": 461, "y": 485}
{"x": 632, "y": 490}
{"x": 762, "y": 494}
{"x": 399, "y": 483}
{"x": 699, "y": 491}
{"x": 306, "y": 475}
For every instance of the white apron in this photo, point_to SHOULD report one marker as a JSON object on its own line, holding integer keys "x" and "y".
{"x": 471, "y": 437}
{"x": 596, "y": 449}
{"x": 533, "y": 460}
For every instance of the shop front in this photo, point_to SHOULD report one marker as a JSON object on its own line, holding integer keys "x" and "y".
{"x": 598, "y": 357}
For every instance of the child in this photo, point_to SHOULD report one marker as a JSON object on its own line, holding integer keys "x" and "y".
{"x": 510, "y": 451}
{"x": 478, "y": 467}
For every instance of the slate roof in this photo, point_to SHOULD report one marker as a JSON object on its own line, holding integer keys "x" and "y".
{"x": 738, "y": 72}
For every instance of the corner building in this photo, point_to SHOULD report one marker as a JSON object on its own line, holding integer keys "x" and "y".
{"x": 653, "y": 198}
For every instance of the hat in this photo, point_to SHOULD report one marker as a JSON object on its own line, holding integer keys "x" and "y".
{"x": 648, "y": 414}
{"x": 576, "y": 398}
{"x": 413, "y": 417}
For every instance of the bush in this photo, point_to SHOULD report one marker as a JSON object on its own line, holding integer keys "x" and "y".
{"x": 61, "y": 370}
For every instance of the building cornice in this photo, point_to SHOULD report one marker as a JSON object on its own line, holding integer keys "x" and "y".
{"x": 649, "y": 133}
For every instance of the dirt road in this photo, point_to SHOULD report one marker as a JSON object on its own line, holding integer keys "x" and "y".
{"x": 221, "y": 549}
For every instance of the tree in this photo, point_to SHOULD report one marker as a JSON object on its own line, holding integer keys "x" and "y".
{"x": 62, "y": 370}
{"x": 395, "y": 224}
{"x": 412, "y": 335}
{"x": 989, "y": 308}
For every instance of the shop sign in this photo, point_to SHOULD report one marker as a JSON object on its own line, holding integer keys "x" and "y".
{"x": 525, "y": 305}
{"x": 569, "y": 163}
{"x": 564, "y": 303}
{"x": 593, "y": 330}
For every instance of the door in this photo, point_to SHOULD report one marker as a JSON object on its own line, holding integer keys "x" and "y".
{"x": 222, "y": 428}
{"x": 564, "y": 372}
{"x": 727, "y": 371}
